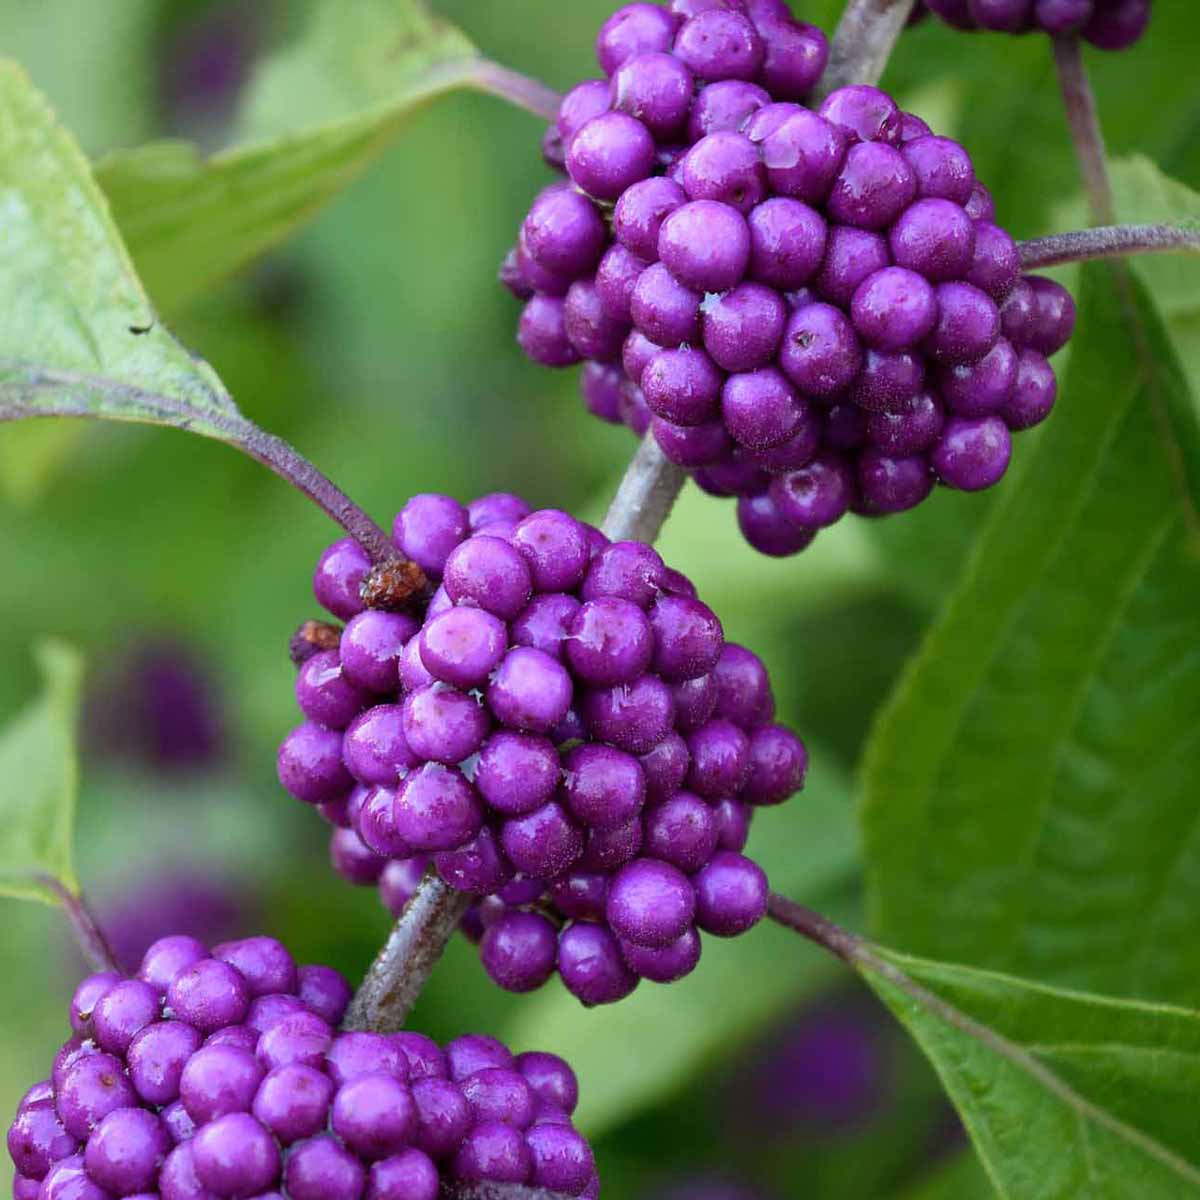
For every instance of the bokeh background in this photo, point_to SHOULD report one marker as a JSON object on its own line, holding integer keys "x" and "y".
{"x": 379, "y": 344}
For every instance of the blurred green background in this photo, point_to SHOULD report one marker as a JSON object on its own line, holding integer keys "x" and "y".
{"x": 378, "y": 343}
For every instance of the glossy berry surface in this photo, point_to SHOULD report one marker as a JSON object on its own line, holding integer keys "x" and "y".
{"x": 559, "y": 729}
{"x": 801, "y": 303}
{"x": 147, "y": 1098}
{"x": 1106, "y": 24}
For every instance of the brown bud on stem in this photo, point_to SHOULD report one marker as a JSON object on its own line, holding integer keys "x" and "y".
{"x": 391, "y": 585}
{"x": 311, "y": 638}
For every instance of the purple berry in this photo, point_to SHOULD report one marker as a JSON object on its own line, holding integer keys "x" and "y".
{"x": 731, "y": 895}
{"x": 591, "y": 966}
{"x": 718, "y": 45}
{"x": 973, "y": 453}
{"x": 609, "y": 153}
{"x": 520, "y": 951}
{"x": 706, "y": 245}
{"x": 656, "y": 88}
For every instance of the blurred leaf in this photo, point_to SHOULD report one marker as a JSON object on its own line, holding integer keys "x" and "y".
{"x": 963, "y": 1178}
{"x": 808, "y": 849}
{"x": 84, "y": 340}
{"x": 32, "y": 455}
{"x": 1065, "y": 1094}
{"x": 39, "y": 778}
{"x": 317, "y": 114}
{"x": 1030, "y": 800}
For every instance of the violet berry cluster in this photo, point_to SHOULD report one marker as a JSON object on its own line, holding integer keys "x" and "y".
{"x": 1106, "y": 24}
{"x": 563, "y": 732}
{"x": 813, "y": 309}
{"x": 223, "y": 1074}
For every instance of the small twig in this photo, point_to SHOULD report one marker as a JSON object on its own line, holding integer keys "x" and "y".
{"x": 402, "y": 967}
{"x": 1084, "y": 121}
{"x": 645, "y": 496}
{"x": 863, "y": 42}
{"x": 1109, "y": 241}
{"x": 289, "y": 464}
{"x": 89, "y": 937}
{"x": 529, "y": 94}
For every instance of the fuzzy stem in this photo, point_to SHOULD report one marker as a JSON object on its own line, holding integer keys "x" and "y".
{"x": 403, "y": 966}
{"x": 645, "y": 496}
{"x": 1082, "y": 117}
{"x": 529, "y": 94}
{"x": 89, "y": 937}
{"x": 497, "y": 1191}
{"x": 863, "y": 42}
{"x": 289, "y": 464}
{"x": 1109, "y": 241}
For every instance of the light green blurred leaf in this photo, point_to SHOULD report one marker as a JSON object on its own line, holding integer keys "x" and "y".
{"x": 808, "y": 848}
{"x": 39, "y": 779}
{"x": 317, "y": 114}
{"x": 1030, "y": 789}
{"x": 1065, "y": 1094}
{"x": 84, "y": 340}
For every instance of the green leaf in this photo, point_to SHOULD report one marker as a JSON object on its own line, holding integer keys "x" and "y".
{"x": 84, "y": 340}
{"x": 808, "y": 849}
{"x": 1030, "y": 802}
{"x": 317, "y": 115}
{"x": 962, "y": 1178}
{"x": 1064, "y": 1094}
{"x": 39, "y": 778}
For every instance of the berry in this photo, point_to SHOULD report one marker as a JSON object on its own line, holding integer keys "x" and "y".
{"x": 729, "y": 262}
{"x": 569, "y": 738}
{"x": 296, "y": 1105}
{"x": 1107, "y": 24}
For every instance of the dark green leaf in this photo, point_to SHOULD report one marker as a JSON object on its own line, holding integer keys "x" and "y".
{"x": 317, "y": 115}
{"x": 1065, "y": 1094}
{"x": 39, "y": 778}
{"x": 1029, "y": 790}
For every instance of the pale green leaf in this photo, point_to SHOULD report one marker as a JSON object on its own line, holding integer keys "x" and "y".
{"x": 317, "y": 114}
{"x": 84, "y": 340}
{"x": 39, "y": 779}
{"x": 808, "y": 849}
{"x": 1030, "y": 789}
{"x": 1065, "y": 1094}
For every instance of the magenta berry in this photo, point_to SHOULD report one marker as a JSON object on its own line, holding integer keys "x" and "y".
{"x": 559, "y": 729}
{"x": 295, "y": 1105}
{"x": 732, "y": 261}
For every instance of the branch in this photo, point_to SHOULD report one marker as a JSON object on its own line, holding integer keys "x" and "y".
{"x": 645, "y": 496}
{"x": 403, "y": 966}
{"x": 89, "y": 937}
{"x": 1109, "y": 241}
{"x": 497, "y": 1191}
{"x": 863, "y": 42}
{"x": 529, "y": 94}
{"x": 1084, "y": 121}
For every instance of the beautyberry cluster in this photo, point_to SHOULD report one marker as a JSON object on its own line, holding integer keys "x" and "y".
{"x": 563, "y": 730}
{"x": 223, "y": 1074}
{"x": 812, "y": 309}
{"x": 1107, "y": 24}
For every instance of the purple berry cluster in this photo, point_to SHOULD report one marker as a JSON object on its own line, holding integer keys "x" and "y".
{"x": 564, "y": 733}
{"x": 1107, "y": 24}
{"x": 223, "y": 1074}
{"x": 812, "y": 309}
